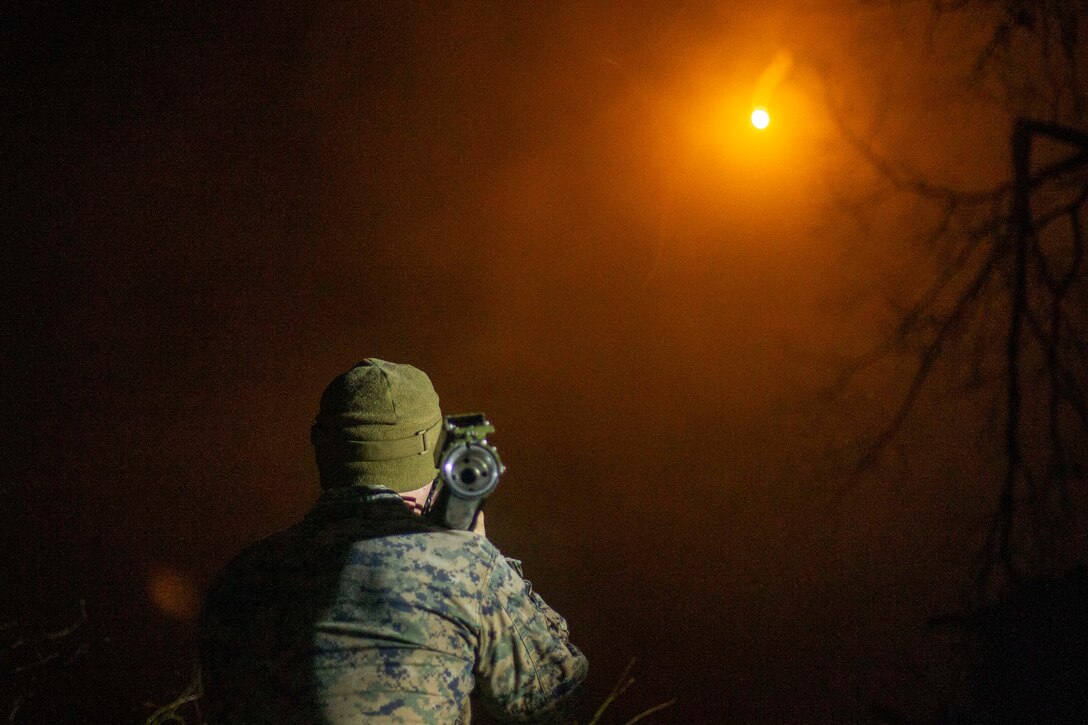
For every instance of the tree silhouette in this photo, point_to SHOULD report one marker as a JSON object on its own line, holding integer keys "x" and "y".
{"x": 1019, "y": 244}
{"x": 1013, "y": 283}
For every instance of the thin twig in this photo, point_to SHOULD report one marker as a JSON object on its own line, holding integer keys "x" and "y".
{"x": 646, "y": 713}
{"x": 618, "y": 689}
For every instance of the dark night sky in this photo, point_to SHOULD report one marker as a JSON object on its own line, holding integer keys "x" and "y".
{"x": 554, "y": 211}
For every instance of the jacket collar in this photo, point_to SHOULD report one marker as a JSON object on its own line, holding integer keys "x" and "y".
{"x": 347, "y": 501}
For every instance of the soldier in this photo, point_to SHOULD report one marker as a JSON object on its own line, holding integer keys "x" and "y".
{"x": 365, "y": 612}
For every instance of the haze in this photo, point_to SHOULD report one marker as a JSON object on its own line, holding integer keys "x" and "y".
{"x": 564, "y": 216}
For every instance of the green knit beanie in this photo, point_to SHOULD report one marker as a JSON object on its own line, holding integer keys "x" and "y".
{"x": 378, "y": 425}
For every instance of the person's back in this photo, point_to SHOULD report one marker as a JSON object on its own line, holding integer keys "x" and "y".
{"x": 366, "y": 612}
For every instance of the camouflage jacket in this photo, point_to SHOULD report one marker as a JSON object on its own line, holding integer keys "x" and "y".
{"x": 365, "y": 613}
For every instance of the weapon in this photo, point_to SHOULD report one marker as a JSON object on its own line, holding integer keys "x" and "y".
{"x": 468, "y": 472}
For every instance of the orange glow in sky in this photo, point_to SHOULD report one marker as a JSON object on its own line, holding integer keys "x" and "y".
{"x": 760, "y": 118}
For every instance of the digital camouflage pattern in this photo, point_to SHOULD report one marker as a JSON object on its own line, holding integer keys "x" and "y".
{"x": 365, "y": 613}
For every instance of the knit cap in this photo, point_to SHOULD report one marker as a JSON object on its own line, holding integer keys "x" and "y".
{"x": 378, "y": 424}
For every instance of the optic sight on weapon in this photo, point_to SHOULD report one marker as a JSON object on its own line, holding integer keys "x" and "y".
{"x": 468, "y": 471}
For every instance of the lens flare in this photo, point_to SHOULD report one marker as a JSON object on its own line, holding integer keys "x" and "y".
{"x": 174, "y": 593}
{"x": 760, "y": 118}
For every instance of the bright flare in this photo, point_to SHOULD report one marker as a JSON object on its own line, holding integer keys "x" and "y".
{"x": 760, "y": 118}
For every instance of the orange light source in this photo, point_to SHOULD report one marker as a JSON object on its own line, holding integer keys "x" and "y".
{"x": 760, "y": 118}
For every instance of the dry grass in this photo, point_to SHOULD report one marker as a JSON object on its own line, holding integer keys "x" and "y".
{"x": 185, "y": 709}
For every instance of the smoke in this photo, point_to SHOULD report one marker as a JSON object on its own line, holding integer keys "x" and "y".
{"x": 771, "y": 77}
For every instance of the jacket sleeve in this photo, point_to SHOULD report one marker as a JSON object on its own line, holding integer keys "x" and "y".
{"x": 526, "y": 667}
